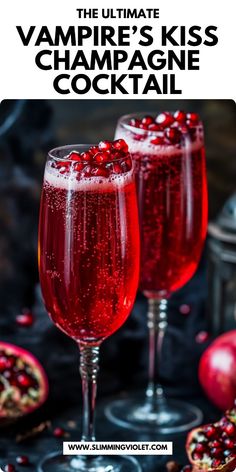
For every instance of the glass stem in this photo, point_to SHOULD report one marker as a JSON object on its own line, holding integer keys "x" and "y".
{"x": 89, "y": 358}
{"x": 157, "y": 324}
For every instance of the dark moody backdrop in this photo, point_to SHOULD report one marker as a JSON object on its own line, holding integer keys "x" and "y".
{"x": 27, "y": 130}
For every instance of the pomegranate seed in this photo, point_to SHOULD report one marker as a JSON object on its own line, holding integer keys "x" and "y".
{"x": 201, "y": 448}
{"x": 147, "y": 120}
{"x": 11, "y": 362}
{"x": 3, "y": 363}
{"x": 9, "y": 468}
{"x": 214, "y": 443}
{"x": 202, "y": 337}
{"x": 74, "y": 156}
{"x": 86, "y": 156}
{"x": 180, "y": 116}
{"x": 99, "y": 172}
{"x": 24, "y": 380}
{"x": 216, "y": 463}
{"x": 173, "y": 135}
{"x": 87, "y": 171}
{"x": 117, "y": 169}
{"x": 120, "y": 145}
{"x": 105, "y": 146}
{"x": 93, "y": 150}
{"x": 154, "y": 127}
{"x": 197, "y": 456}
{"x": 59, "y": 432}
{"x": 135, "y": 122}
{"x": 78, "y": 167}
{"x": 25, "y": 319}
{"x": 229, "y": 429}
{"x": 159, "y": 140}
{"x": 184, "y": 309}
{"x": 229, "y": 443}
{"x": 216, "y": 452}
{"x": 101, "y": 157}
{"x": 22, "y": 460}
{"x": 210, "y": 432}
{"x": 165, "y": 119}
{"x": 193, "y": 118}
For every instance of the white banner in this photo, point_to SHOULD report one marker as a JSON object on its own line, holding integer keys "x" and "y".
{"x": 115, "y": 448}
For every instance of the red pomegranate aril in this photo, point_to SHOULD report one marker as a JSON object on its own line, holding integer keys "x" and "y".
{"x": 202, "y": 337}
{"x": 229, "y": 429}
{"x": 159, "y": 140}
{"x": 9, "y": 468}
{"x": 193, "y": 118}
{"x": 147, "y": 120}
{"x": 25, "y": 319}
{"x": 59, "y": 432}
{"x": 173, "y": 135}
{"x": 24, "y": 380}
{"x": 135, "y": 122}
{"x": 216, "y": 452}
{"x": 197, "y": 456}
{"x": 78, "y": 167}
{"x": 214, "y": 443}
{"x": 74, "y": 156}
{"x": 165, "y": 119}
{"x": 211, "y": 432}
{"x": 101, "y": 157}
{"x": 100, "y": 172}
{"x": 117, "y": 169}
{"x": 229, "y": 443}
{"x": 105, "y": 146}
{"x": 200, "y": 447}
{"x": 22, "y": 460}
{"x": 216, "y": 463}
{"x": 120, "y": 145}
{"x": 93, "y": 150}
{"x": 154, "y": 127}
{"x": 86, "y": 156}
{"x": 180, "y": 116}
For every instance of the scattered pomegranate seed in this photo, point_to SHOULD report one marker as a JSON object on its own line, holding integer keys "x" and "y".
{"x": 135, "y": 122}
{"x": 184, "y": 309}
{"x": 210, "y": 431}
{"x": 24, "y": 380}
{"x": 165, "y": 119}
{"x": 99, "y": 172}
{"x": 22, "y": 460}
{"x": 59, "y": 432}
{"x": 78, "y": 167}
{"x": 93, "y": 150}
{"x": 26, "y": 319}
{"x": 105, "y": 146}
{"x": 147, "y": 120}
{"x": 9, "y": 468}
{"x": 193, "y": 118}
{"x": 117, "y": 169}
{"x": 202, "y": 337}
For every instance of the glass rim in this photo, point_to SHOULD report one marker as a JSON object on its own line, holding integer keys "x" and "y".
{"x": 74, "y": 147}
{"x": 141, "y": 131}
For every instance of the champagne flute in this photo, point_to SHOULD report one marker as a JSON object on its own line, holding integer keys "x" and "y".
{"x": 170, "y": 169}
{"x": 89, "y": 267}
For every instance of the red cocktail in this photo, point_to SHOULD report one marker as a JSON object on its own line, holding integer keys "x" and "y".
{"x": 169, "y": 157}
{"x": 89, "y": 261}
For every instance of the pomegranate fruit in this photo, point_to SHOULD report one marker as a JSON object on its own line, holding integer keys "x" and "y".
{"x": 212, "y": 447}
{"x": 217, "y": 370}
{"x": 23, "y": 383}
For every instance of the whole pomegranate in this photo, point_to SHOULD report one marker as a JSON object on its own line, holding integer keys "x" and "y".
{"x": 217, "y": 370}
{"x": 23, "y": 383}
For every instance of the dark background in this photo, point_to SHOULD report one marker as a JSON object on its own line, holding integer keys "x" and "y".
{"x": 27, "y": 130}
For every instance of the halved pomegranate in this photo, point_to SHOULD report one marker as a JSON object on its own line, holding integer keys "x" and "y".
{"x": 23, "y": 382}
{"x": 212, "y": 447}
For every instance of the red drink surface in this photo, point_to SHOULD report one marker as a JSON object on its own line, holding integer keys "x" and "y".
{"x": 89, "y": 253}
{"x": 172, "y": 200}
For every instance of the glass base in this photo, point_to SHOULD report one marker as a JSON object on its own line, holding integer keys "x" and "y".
{"x": 167, "y": 417}
{"x": 56, "y": 462}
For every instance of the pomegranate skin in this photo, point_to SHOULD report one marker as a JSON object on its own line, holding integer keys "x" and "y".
{"x": 217, "y": 371}
{"x": 6, "y": 417}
